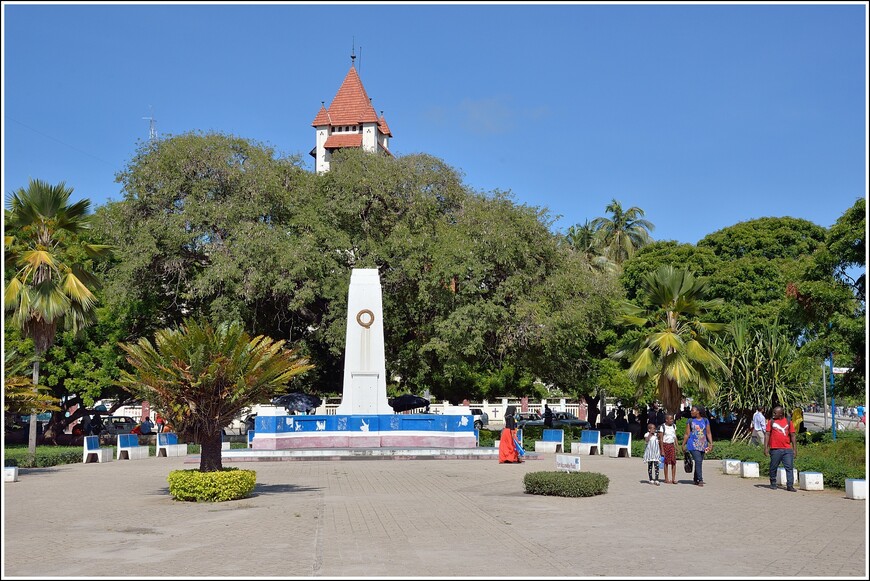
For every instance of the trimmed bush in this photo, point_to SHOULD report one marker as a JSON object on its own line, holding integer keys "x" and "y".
{"x": 566, "y": 483}
{"x": 218, "y": 486}
{"x": 45, "y": 456}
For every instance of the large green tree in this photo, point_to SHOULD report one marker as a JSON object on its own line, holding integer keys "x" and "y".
{"x": 475, "y": 286}
{"x": 200, "y": 377}
{"x": 828, "y": 299}
{"x": 759, "y": 258}
{"x": 674, "y": 347}
{"x": 51, "y": 286}
{"x": 622, "y": 233}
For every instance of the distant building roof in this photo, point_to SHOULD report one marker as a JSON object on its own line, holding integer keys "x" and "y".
{"x": 351, "y": 105}
{"x": 347, "y": 140}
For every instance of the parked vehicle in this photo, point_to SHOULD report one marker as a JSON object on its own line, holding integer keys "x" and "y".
{"x": 240, "y": 425}
{"x": 560, "y": 419}
{"x": 569, "y": 419}
{"x": 114, "y": 425}
{"x": 481, "y": 418}
{"x": 526, "y": 417}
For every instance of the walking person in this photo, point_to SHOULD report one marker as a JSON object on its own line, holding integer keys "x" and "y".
{"x": 668, "y": 442}
{"x": 759, "y": 423}
{"x": 781, "y": 444}
{"x": 652, "y": 453}
{"x": 507, "y": 447}
{"x": 698, "y": 440}
{"x": 161, "y": 423}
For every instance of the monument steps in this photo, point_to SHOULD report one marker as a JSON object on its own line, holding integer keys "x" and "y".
{"x": 383, "y": 453}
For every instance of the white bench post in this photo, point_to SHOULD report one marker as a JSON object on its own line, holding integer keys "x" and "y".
{"x": 91, "y": 451}
{"x": 812, "y": 481}
{"x": 749, "y": 469}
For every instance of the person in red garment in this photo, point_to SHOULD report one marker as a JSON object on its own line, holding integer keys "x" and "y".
{"x": 507, "y": 448}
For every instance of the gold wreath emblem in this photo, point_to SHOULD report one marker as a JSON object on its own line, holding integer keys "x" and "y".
{"x": 368, "y": 321}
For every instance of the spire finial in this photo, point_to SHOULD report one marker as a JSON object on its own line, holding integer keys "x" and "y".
{"x": 352, "y": 50}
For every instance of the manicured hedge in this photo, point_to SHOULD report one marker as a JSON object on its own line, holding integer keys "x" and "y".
{"x": 45, "y": 456}
{"x": 566, "y": 483}
{"x": 227, "y": 484}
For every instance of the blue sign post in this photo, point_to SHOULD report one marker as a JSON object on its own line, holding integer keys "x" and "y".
{"x": 833, "y": 409}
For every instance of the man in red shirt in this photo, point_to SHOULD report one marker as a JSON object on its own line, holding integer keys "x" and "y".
{"x": 780, "y": 443}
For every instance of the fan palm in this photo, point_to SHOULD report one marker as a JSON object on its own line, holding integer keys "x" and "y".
{"x": 49, "y": 288}
{"x": 200, "y": 377}
{"x": 621, "y": 235}
{"x": 674, "y": 348}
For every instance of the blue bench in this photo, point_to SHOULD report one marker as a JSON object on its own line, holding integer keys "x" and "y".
{"x": 128, "y": 445}
{"x": 621, "y": 446}
{"x": 590, "y": 443}
{"x": 167, "y": 445}
{"x": 553, "y": 441}
{"x": 93, "y": 453}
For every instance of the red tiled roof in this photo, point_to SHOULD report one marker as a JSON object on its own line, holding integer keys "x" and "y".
{"x": 351, "y": 105}
{"x": 382, "y": 126}
{"x": 322, "y": 117}
{"x": 349, "y": 140}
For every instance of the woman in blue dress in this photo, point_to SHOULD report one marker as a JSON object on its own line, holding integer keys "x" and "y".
{"x": 698, "y": 440}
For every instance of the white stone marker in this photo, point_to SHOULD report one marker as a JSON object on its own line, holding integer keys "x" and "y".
{"x": 365, "y": 368}
{"x": 10, "y": 474}
{"x": 731, "y": 466}
{"x": 749, "y": 469}
{"x": 781, "y": 477}
{"x": 811, "y": 481}
{"x": 856, "y": 488}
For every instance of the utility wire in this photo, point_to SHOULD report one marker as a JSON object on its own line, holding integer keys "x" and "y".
{"x": 63, "y": 143}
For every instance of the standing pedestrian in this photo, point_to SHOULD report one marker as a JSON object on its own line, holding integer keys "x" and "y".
{"x": 698, "y": 440}
{"x": 652, "y": 453}
{"x": 781, "y": 444}
{"x": 758, "y": 425}
{"x": 160, "y": 423}
{"x": 548, "y": 416}
{"x": 668, "y": 441}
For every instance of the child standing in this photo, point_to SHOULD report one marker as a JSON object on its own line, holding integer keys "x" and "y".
{"x": 668, "y": 442}
{"x": 652, "y": 453}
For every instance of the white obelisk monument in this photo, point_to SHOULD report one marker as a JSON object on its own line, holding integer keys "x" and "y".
{"x": 365, "y": 369}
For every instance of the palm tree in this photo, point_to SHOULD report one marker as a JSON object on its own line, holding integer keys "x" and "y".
{"x": 50, "y": 287}
{"x": 200, "y": 377}
{"x": 624, "y": 233}
{"x": 674, "y": 349}
{"x": 585, "y": 240}
{"x": 19, "y": 395}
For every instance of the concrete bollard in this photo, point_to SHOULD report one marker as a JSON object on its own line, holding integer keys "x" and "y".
{"x": 10, "y": 474}
{"x": 749, "y": 470}
{"x": 856, "y": 488}
{"x": 811, "y": 481}
{"x": 731, "y": 466}
{"x": 780, "y": 476}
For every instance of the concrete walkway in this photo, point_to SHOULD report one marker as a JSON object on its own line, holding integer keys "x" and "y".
{"x": 423, "y": 518}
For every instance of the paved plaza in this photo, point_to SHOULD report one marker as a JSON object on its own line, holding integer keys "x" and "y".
{"x": 423, "y": 518}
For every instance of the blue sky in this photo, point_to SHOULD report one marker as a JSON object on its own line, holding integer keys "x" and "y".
{"x": 702, "y": 115}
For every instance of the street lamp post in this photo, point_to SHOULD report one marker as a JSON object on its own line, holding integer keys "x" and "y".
{"x": 833, "y": 420}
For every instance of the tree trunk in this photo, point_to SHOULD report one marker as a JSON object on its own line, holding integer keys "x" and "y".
{"x": 210, "y": 451}
{"x": 31, "y": 437}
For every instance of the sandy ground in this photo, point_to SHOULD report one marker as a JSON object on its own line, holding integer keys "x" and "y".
{"x": 423, "y": 518}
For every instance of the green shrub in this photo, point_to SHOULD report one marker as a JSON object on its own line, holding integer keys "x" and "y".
{"x": 218, "y": 486}
{"x": 566, "y": 483}
{"x": 45, "y": 456}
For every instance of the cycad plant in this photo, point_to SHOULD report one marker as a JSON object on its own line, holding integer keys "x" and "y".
{"x": 50, "y": 286}
{"x": 674, "y": 347}
{"x": 200, "y": 377}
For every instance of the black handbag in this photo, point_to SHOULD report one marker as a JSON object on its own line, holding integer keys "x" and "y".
{"x": 688, "y": 464}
